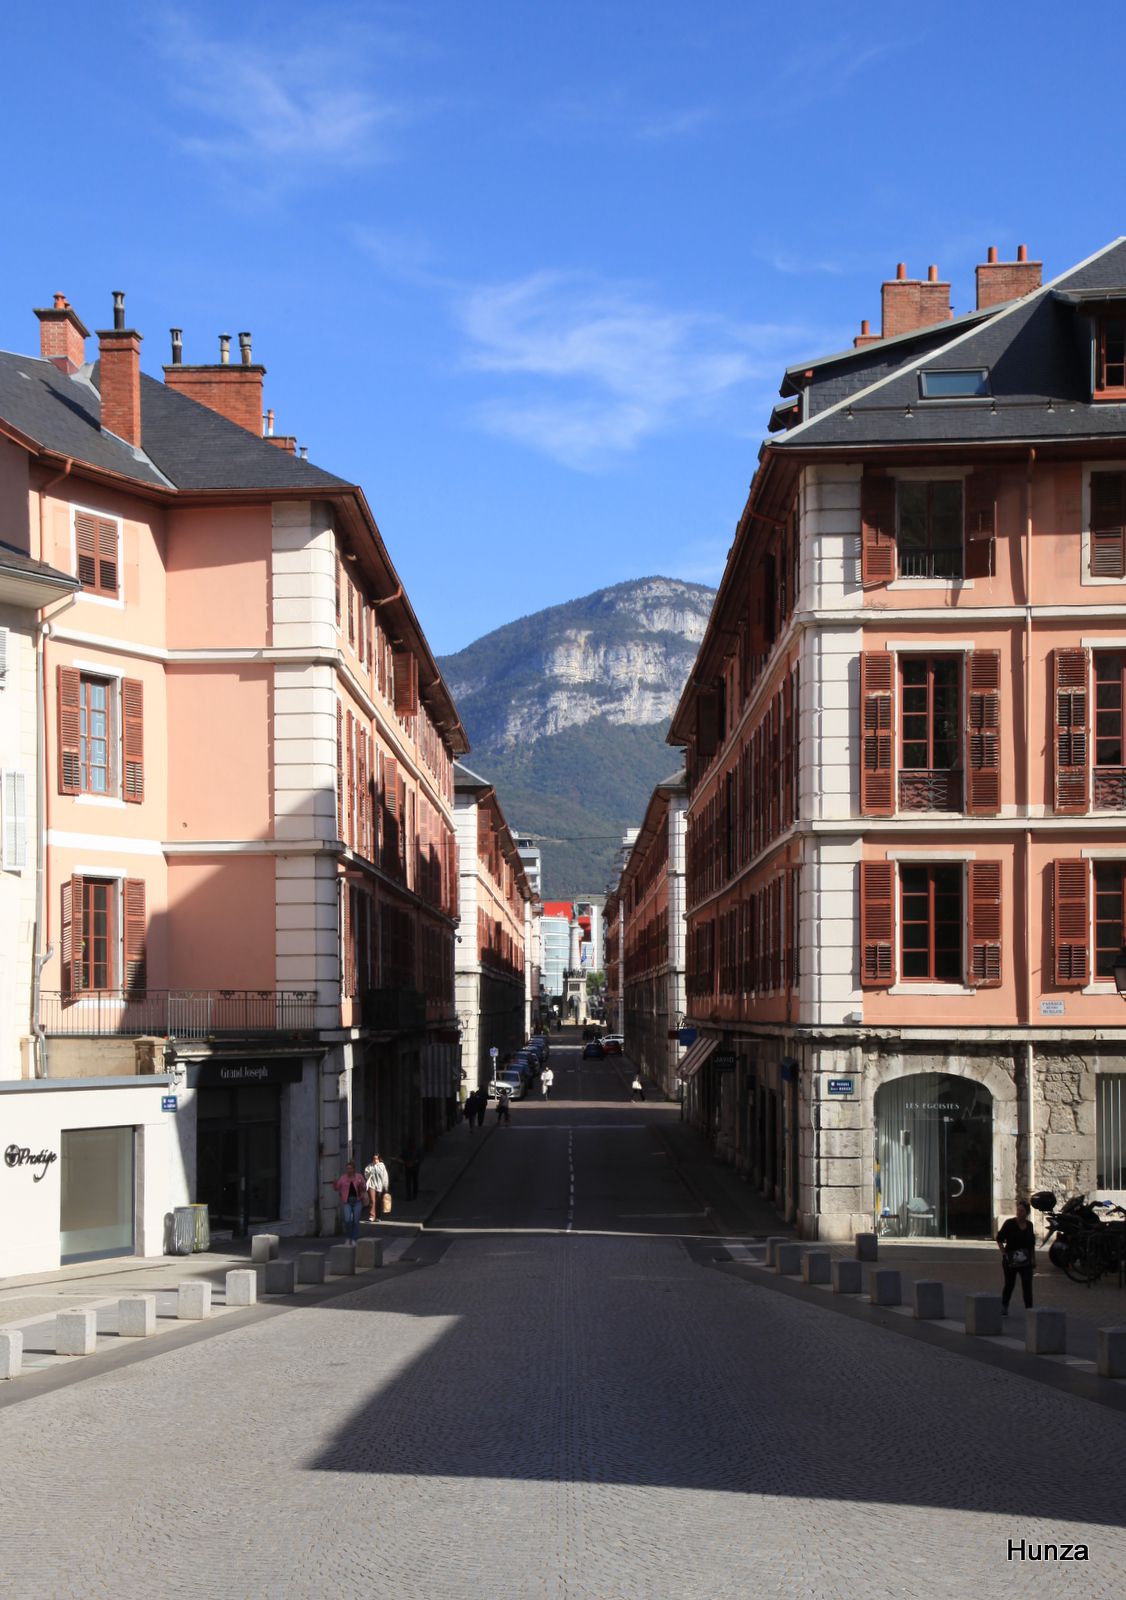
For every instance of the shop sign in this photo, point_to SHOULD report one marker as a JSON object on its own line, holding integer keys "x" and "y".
{"x": 724, "y": 1060}
{"x": 842, "y": 1085}
{"x": 168, "y": 1102}
{"x": 688, "y": 1036}
{"x": 229, "y": 1074}
{"x": 18, "y": 1155}
{"x": 1051, "y": 1008}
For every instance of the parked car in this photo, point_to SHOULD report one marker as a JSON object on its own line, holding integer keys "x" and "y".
{"x": 538, "y": 1048}
{"x": 613, "y": 1044}
{"x": 541, "y": 1040}
{"x": 526, "y": 1065}
{"x": 593, "y": 1051}
{"x": 509, "y": 1078}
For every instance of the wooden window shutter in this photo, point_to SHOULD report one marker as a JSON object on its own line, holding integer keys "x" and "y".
{"x": 70, "y": 766}
{"x": 981, "y": 524}
{"x": 339, "y": 769}
{"x": 877, "y": 924}
{"x": 107, "y": 556}
{"x": 985, "y": 924}
{"x": 707, "y": 723}
{"x": 347, "y": 910}
{"x": 877, "y": 753}
{"x": 404, "y": 671}
{"x": 983, "y": 733}
{"x": 337, "y": 586}
{"x": 1071, "y": 670}
{"x": 1071, "y": 931}
{"x": 133, "y": 739}
{"x": 1108, "y": 524}
{"x": 72, "y": 939}
{"x": 86, "y": 548}
{"x": 133, "y": 896}
{"x": 391, "y": 784}
{"x": 350, "y": 777}
{"x": 877, "y": 530}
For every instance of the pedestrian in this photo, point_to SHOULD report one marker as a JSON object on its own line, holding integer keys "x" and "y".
{"x": 637, "y": 1088}
{"x": 411, "y": 1159}
{"x": 351, "y": 1189}
{"x": 1017, "y": 1241}
{"x": 547, "y": 1078}
{"x": 482, "y": 1106}
{"x": 502, "y": 1107}
{"x": 469, "y": 1109}
{"x": 378, "y": 1184}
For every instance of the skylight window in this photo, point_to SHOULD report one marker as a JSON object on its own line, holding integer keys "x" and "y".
{"x": 950, "y": 383}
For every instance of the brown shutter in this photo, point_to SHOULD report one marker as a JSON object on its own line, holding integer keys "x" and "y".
{"x": 70, "y": 768}
{"x": 71, "y": 935}
{"x": 983, "y": 733}
{"x": 981, "y": 524}
{"x": 877, "y": 530}
{"x": 1108, "y": 524}
{"x": 877, "y": 754}
{"x": 985, "y": 924}
{"x": 107, "y": 556}
{"x": 349, "y": 938}
{"x": 877, "y": 924}
{"x": 133, "y": 739}
{"x": 404, "y": 668}
{"x": 133, "y": 894}
{"x": 86, "y": 547}
{"x": 1071, "y": 936}
{"x": 1071, "y": 670}
{"x": 707, "y": 723}
{"x": 340, "y": 769}
{"x": 350, "y": 778}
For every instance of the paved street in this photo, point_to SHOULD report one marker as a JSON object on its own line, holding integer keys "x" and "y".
{"x": 532, "y": 1411}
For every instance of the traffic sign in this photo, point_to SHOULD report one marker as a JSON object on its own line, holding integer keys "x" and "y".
{"x": 493, "y": 1051}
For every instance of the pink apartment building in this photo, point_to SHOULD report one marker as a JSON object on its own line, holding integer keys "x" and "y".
{"x": 907, "y": 772}
{"x": 244, "y": 873}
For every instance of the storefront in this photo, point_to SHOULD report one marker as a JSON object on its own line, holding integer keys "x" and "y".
{"x": 244, "y": 1130}
{"x": 934, "y": 1157}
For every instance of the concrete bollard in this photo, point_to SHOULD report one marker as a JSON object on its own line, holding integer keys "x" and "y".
{"x": 11, "y": 1354}
{"x": 342, "y": 1259}
{"x": 867, "y": 1247}
{"x": 193, "y": 1301}
{"x": 136, "y": 1316}
{"x": 264, "y": 1247}
{"x": 281, "y": 1277}
{"x": 1111, "y": 1355}
{"x": 846, "y": 1275}
{"x": 787, "y": 1260}
{"x": 76, "y": 1333}
{"x": 311, "y": 1266}
{"x": 771, "y": 1257}
{"x": 815, "y": 1266}
{"x": 1045, "y": 1332}
{"x": 369, "y": 1253}
{"x": 242, "y": 1287}
{"x": 983, "y": 1315}
{"x": 928, "y": 1300}
{"x": 885, "y": 1287}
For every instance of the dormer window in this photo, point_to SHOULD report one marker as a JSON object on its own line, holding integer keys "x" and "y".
{"x": 1110, "y": 358}
{"x": 963, "y": 383}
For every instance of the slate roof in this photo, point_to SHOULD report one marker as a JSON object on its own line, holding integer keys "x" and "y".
{"x": 185, "y": 444}
{"x": 1037, "y": 350}
{"x": 13, "y": 560}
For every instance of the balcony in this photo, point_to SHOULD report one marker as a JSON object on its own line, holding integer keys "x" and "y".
{"x": 181, "y": 1013}
{"x": 925, "y": 790}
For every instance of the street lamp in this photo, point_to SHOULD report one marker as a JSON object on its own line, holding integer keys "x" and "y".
{"x": 1119, "y": 970}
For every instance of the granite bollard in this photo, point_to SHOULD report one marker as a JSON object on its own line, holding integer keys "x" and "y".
{"x": 369, "y": 1253}
{"x": 928, "y": 1300}
{"x": 264, "y": 1247}
{"x": 1110, "y": 1356}
{"x": 1045, "y": 1332}
{"x": 787, "y": 1260}
{"x": 281, "y": 1277}
{"x": 846, "y": 1275}
{"x": 242, "y": 1287}
{"x": 983, "y": 1315}
{"x": 311, "y": 1266}
{"x": 815, "y": 1266}
{"x": 885, "y": 1287}
{"x": 11, "y": 1353}
{"x": 136, "y": 1316}
{"x": 193, "y": 1301}
{"x": 342, "y": 1259}
{"x": 867, "y": 1247}
{"x": 76, "y": 1333}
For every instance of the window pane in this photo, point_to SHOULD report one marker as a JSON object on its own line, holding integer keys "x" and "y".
{"x": 916, "y": 964}
{"x": 946, "y": 513}
{"x": 948, "y": 966}
{"x": 954, "y": 384}
{"x": 913, "y": 880}
{"x": 912, "y": 502}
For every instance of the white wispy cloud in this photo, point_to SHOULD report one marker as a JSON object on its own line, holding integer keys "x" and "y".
{"x": 595, "y": 368}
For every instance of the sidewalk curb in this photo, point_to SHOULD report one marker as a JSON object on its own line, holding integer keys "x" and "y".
{"x": 478, "y": 1145}
{"x": 714, "y": 1214}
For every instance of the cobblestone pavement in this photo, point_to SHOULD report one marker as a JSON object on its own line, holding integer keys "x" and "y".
{"x": 577, "y": 1416}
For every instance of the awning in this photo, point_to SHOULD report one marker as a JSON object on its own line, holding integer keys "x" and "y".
{"x": 696, "y": 1057}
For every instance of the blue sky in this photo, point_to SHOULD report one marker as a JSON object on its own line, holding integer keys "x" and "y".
{"x": 530, "y": 272}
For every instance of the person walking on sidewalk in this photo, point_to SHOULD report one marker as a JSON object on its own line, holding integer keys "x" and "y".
{"x": 547, "y": 1078}
{"x": 411, "y": 1159}
{"x": 1017, "y": 1241}
{"x": 637, "y": 1088}
{"x": 482, "y": 1106}
{"x": 378, "y": 1184}
{"x": 502, "y": 1107}
{"x": 351, "y": 1188}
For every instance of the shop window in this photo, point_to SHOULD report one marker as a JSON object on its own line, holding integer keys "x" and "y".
{"x": 929, "y": 528}
{"x": 931, "y": 923}
{"x": 930, "y": 733}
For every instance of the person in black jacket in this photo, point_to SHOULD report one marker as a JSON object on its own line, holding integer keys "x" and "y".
{"x": 1017, "y": 1240}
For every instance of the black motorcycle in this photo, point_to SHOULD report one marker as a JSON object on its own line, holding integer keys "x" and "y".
{"x": 1081, "y": 1242}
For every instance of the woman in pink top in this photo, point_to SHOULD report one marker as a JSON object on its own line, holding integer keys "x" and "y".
{"x": 352, "y": 1190}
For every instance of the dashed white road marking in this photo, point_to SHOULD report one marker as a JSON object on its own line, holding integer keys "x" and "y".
{"x": 571, "y": 1178}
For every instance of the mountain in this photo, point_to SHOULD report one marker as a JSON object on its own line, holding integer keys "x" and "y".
{"x": 567, "y": 711}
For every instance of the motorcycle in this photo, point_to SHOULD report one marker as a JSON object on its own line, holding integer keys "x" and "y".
{"x": 1081, "y": 1240}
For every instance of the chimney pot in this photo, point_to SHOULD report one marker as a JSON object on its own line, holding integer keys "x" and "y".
{"x": 1022, "y": 252}
{"x": 999, "y": 281}
{"x": 932, "y": 274}
{"x": 864, "y": 326}
{"x": 119, "y": 309}
{"x": 270, "y": 422}
{"x": 901, "y": 271}
{"x": 244, "y": 348}
{"x": 304, "y": 452}
{"x": 177, "y": 346}
{"x": 60, "y": 302}
{"x": 991, "y": 254}
{"x": 224, "y": 349}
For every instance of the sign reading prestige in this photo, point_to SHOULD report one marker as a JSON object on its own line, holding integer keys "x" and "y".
{"x": 18, "y": 1155}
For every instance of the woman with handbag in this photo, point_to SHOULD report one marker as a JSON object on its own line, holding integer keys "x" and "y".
{"x": 1017, "y": 1240}
{"x": 351, "y": 1188}
{"x": 379, "y": 1185}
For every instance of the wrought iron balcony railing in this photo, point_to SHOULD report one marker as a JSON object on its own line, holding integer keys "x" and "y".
{"x": 180, "y": 1013}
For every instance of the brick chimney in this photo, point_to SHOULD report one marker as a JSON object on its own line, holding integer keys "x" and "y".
{"x": 234, "y": 392}
{"x": 998, "y": 281}
{"x": 865, "y": 336}
{"x": 119, "y": 351}
{"x": 909, "y": 303}
{"x": 62, "y": 337}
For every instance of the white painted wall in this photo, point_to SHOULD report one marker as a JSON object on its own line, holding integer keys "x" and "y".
{"x": 17, "y": 885}
{"x": 830, "y": 928}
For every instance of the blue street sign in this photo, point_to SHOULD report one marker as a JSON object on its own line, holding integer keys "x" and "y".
{"x": 688, "y": 1036}
{"x": 842, "y": 1085}
{"x": 168, "y": 1102}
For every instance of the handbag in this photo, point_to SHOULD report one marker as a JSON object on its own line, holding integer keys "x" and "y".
{"x": 385, "y": 1203}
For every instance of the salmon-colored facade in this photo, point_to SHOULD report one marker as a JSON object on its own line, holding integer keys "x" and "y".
{"x": 904, "y": 737}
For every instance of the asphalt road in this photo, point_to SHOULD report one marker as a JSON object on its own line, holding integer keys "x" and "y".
{"x": 578, "y": 1415}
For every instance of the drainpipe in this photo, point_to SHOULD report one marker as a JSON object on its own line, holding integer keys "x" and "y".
{"x": 1028, "y": 740}
{"x": 1029, "y": 1056}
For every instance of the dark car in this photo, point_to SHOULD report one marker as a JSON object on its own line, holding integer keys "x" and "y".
{"x": 593, "y": 1051}
{"x": 611, "y": 1046}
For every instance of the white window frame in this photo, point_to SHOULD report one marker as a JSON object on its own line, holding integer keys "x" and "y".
{"x": 113, "y": 676}
{"x": 928, "y": 647}
{"x": 1086, "y": 579}
{"x": 930, "y": 475}
{"x": 118, "y": 876}
{"x": 85, "y": 595}
{"x": 13, "y": 819}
